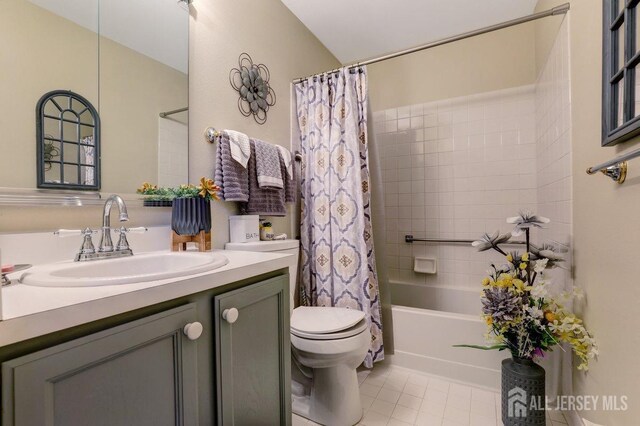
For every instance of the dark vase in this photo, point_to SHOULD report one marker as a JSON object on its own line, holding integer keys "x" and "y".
{"x": 523, "y": 393}
{"x": 189, "y": 216}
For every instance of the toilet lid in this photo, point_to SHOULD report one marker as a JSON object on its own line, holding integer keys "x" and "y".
{"x": 324, "y": 320}
{"x": 352, "y": 331}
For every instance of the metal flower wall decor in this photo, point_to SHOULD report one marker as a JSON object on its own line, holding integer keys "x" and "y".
{"x": 252, "y": 83}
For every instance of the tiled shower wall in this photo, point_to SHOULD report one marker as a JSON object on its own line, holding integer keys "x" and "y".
{"x": 457, "y": 168}
{"x": 553, "y": 140}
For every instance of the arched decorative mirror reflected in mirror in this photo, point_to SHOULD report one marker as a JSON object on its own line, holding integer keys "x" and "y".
{"x": 68, "y": 142}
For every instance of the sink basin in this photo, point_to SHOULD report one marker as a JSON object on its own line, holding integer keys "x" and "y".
{"x": 126, "y": 270}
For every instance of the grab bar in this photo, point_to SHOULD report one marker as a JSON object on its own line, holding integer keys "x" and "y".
{"x": 616, "y": 169}
{"x": 411, "y": 239}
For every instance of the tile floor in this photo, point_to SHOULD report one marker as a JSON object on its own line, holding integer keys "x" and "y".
{"x": 397, "y": 396}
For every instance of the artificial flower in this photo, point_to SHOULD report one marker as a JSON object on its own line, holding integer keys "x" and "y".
{"x": 549, "y": 252}
{"x": 146, "y": 187}
{"x": 490, "y": 241}
{"x": 540, "y": 265}
{"x": 500, "y": 304}
{"x": 526, "y": 220}
{"x": 520, "y": 313}
{"x": 208, "y": 189}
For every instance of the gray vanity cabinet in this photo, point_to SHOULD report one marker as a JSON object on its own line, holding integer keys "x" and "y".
{"x": 253, "y": 354}
{"x": 140, "y": 373}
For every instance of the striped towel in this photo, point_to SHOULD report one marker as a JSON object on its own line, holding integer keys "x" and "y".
{"x": 229, "y": 174}
{"x": 268, "y": 165}
{"x": 285, "y": 154}
{"x": 268, "y": 202}
{"x": 240, "y": 147}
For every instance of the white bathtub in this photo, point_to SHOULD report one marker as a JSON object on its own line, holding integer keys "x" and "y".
{"x": 429, "y": 320}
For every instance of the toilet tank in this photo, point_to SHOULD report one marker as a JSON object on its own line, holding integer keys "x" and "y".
{"x": 280, "y": 246}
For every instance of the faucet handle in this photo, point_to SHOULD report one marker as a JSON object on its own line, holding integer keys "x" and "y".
{"x": 63, "y": 233}
{"x": 137, "y": 230}
{"x": 123, "y": 244}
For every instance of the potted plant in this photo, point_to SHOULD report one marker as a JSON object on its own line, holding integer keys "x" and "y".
{"x": 266, "y": 231}
{"x": 191, "y": 207}
{"x": 525, "y": 318}
{"x": 156, "y": 197}
{"x": 191, "y": 211}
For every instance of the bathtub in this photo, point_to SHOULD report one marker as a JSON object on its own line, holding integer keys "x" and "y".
{"x": 429, "y": 320}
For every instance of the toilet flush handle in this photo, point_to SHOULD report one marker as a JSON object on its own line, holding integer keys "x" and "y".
{"x": 230, "y": 315}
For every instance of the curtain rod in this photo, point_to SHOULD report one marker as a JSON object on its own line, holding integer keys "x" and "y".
{"x": 558, "y": 10}
{"x": 175, "y": 111}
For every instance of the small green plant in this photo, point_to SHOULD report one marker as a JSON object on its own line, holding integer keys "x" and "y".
{"x": 207, "y": 190}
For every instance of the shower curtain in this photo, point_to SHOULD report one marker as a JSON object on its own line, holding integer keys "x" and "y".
{"x": 338, "y": 259}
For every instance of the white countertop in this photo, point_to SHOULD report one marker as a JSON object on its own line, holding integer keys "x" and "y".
{"x": 29, "y": 311}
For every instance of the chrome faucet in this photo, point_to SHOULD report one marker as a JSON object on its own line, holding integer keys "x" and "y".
{"x": 106, "y": 245}
{"x": 106, "y": 250}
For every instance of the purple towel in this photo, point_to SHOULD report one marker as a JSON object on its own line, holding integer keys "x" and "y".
{"x": 268, "y": 202}
{"x": 229, "y": 174}
{"x": 268, "y": 165}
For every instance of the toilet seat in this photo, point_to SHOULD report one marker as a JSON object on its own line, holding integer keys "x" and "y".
{"x": 324, "y": 319}
{"x": 352, "y": 331}
{"x": 326, "y": 323}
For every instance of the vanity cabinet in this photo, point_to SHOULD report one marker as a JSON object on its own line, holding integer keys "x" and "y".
{"x": 140, "y": 373}
{"x": 253, "y": 355}
{"x": 141, "y": 367}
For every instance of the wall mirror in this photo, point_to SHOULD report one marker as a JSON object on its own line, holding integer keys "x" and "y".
{"x": 621, "y": 82}
{"x": 68, "y": 142}
{"x": 129, "y": 60}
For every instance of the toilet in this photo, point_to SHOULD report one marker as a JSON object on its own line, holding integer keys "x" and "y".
{"x": 327, "y": 345}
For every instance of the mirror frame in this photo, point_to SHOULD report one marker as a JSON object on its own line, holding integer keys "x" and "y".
{"x": 40, "y": 140}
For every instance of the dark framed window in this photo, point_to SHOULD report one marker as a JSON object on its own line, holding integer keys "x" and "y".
{"x": 621, "y": 60}
{"x": 68, "y": 142}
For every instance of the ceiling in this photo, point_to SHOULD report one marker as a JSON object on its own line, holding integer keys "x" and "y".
{"x": 359, "y": 29}
{"x": 158, "y": 29}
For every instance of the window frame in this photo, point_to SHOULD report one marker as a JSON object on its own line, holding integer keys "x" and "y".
{"x": 613, "y": 72}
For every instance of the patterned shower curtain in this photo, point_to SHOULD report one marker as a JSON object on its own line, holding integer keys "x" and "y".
{"x": 338, "y": 259}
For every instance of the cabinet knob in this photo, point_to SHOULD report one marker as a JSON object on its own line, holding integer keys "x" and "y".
{"x": 230, "y": 315}
{"x": 193, "y": 330}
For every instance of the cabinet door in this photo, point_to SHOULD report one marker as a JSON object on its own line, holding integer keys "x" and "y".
{"x": 140, "y": 373}
{"x": 253, "y": 355}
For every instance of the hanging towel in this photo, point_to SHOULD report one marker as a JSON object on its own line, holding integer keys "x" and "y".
{"x": 264, "y": 201}
{"x": 267, "y": 165}
{"x": 286, "y": 157}
{"x": 229, "y": 174}
{"x": 240, "y": 148}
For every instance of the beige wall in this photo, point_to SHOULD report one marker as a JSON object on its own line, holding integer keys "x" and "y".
{"x": 493, "y": 61}
{"x": 134, "y": 89}
{"x": 606, "y": 229}
{"x": 54, "y": 53}
{"x": 220, "y": 31}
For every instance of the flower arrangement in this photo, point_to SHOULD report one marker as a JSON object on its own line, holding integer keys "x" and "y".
{"x": 521, "y": 314}
{"x": 207, "y": 190}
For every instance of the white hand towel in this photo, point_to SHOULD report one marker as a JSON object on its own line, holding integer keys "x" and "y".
{"x": 240, "y": 147}
{"x": 286, "y": 157}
